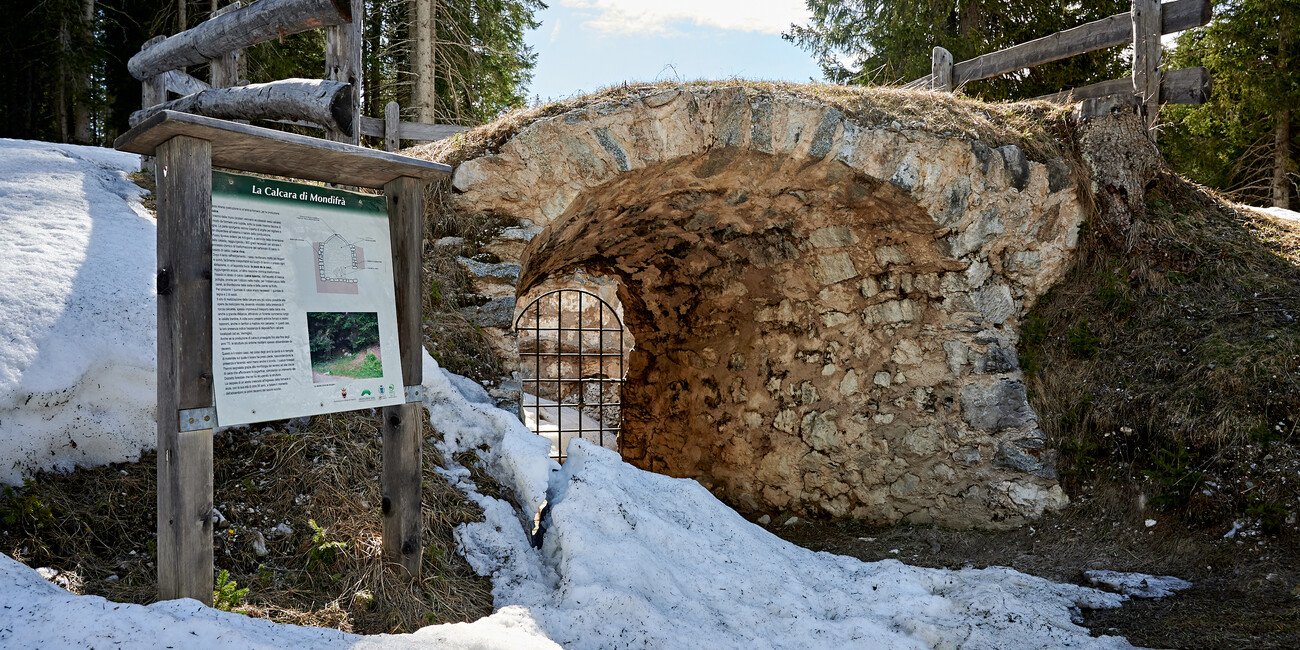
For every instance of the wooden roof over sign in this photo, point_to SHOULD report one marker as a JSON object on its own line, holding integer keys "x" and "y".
{"x": 266, "y": 151}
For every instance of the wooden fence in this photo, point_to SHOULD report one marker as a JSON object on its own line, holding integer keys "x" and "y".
{"x": 1142, "y": 27}
{"x": 332, "y": 104}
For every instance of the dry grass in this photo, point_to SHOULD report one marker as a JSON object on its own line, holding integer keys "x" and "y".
{"x": 1173, "y": 368}
{"x": 98, "y": 523}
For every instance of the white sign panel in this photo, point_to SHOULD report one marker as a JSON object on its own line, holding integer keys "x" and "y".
{"x": 304, "y": 314}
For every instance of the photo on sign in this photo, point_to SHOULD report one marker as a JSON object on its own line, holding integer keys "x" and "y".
{"x": 344, "y": 345}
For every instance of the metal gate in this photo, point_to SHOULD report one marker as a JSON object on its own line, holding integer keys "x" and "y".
{"x": 571, "y": 368}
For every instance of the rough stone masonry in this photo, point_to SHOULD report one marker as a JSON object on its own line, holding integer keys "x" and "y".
{"x": 824, "y": 313}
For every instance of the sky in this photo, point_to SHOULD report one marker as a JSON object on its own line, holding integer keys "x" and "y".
{"x": 585, "y": 45}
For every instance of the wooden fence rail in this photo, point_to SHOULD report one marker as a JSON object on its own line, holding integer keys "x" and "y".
{"x": 1097, "y": 35}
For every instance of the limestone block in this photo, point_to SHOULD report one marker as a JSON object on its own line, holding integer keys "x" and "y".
{"x": 994, "y": 303}
{"x": 1002, "y": 405}
{"x": 836, "y": 267}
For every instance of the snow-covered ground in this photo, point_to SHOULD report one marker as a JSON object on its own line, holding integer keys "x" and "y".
{"x": 77, "y": 318}
{"x": 628, "y": 559}
{"x": 549, "y": 419}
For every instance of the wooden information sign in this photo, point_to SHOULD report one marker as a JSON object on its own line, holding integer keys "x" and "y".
{"x": 186, "y": 148}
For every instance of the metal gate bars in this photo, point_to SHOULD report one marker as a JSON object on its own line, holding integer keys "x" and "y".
{"x": 571, "y": 369}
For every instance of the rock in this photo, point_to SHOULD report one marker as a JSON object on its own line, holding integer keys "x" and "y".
{"x": 1003, "y": 405}
{"x": 1017, "y": 165}
{"x": 258, "y": 542}
{"x": 836, "y": 268}
{"x": 791, "y": 521}
{"x": 994, "y": 303}
{"x": 218, "y": 519}
{"x": 1136, "y": 585}
{"x": 764, "y": 520}
{"x": 448, "y": 242}
{"x": 283, "y": 530}
{"x": 1028, "y": 455}
{"x": 497, "y": 312}
{"x": 998, "y": 360}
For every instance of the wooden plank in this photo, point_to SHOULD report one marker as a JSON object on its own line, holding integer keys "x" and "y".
{"x": 1107, "y": 32}
{"x": 343, "y": 64}
{"x": 265, "y": 151}
{"x": 1146, "y": 59}
{"x": 1185, "y": 86}
{"x": 402, "y": 471}
{"x": 374, "y": 127}
{"x": 941, "y": 70}
{"x": 180, "y": 83}
{"x": 392, "y": 126}
{"x": 314, "y": 100}
{"x": 262, "y": 21}
{"x": 184, "y": 251}
{"x": 225, "y": 68}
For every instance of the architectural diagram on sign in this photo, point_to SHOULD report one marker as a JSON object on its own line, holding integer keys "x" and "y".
{"x": 337, "y": 263}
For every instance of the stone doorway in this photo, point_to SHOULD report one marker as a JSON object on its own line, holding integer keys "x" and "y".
{"x": 571, "y": 368}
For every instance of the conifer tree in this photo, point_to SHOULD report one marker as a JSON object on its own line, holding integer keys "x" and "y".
{"x": 1243, "y": 141}
{"x": 888, "y": 41}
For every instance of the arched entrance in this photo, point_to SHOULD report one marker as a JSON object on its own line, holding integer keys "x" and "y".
{"x": 571, "y": 368}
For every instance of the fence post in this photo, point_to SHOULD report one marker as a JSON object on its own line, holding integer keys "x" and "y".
{"x": 225, "y": 69}
{"x": 392, "y": 126}
{"x": 1146, "y": 60}
{"x": 153, "y": 91}
{"x": 941, "y": 70}
{"x": 184, "y": 253}
{"x": 343, "y": 63}
{"x": 402, "y": 474}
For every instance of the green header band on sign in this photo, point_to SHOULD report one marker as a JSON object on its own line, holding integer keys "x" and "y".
{"x": 256, "y": 188}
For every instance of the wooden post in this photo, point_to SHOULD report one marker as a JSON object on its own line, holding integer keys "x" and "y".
{"x": 1146, "y": 60}
{"x": 153, "y": 91}
{"x": 343, "y": 63}
{"x": 184, "y": 177}
{"x": 941, "y": 70}
{"x": 403, "y": 471}
{"x": 225, "y": 70}
{"x": 392, "y": 126}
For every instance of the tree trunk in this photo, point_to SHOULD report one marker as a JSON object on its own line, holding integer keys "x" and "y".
{"x": 62, "y": 95}
{"x": 319, "y": 101}
{"x": 1282, "y": 161}
{"x": 182, "y": 19}
{"x": 423, "y": 93}
{"x": 83, "y": 128}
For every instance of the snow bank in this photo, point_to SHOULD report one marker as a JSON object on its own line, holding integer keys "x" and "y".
{"x": 77, "y": 318}
{"x": 634, "y": 559}
{"x": 37, "y": 614}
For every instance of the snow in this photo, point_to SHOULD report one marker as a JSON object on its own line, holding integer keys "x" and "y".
{"x": 1280, "y": 213}
{"x": 626, "y": 559}
{"x": 556, "y": 418}
{"x": 1137, "y": 585}
{"x": 37, "y": 614}
{"x": 77, "y": 319}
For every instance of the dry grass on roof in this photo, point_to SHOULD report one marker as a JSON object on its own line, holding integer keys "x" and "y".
{"x": 1036, "y": 127}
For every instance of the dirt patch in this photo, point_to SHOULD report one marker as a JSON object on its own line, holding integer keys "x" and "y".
{"x": 1245, "y": 593}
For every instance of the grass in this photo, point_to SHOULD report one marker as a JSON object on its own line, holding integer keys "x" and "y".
{"x": 362, "y": 365}
{"x": 322, "y": 480}
{"x": 1172, "y": 369}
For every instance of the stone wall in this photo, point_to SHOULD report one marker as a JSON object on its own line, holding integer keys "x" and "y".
{"x": 824, "y": 312}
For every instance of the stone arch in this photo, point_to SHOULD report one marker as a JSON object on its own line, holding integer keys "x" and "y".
{"x": 824, "y": 311}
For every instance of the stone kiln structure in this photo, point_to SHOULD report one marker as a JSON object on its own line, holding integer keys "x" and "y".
{"x": 824, "y": 311}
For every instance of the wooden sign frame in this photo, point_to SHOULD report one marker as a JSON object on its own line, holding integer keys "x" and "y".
{"x": 186, "y": 148}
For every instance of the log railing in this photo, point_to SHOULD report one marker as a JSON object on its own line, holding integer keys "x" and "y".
{"x": 331, "y": 104}
{"x": 1142, "y": 27}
